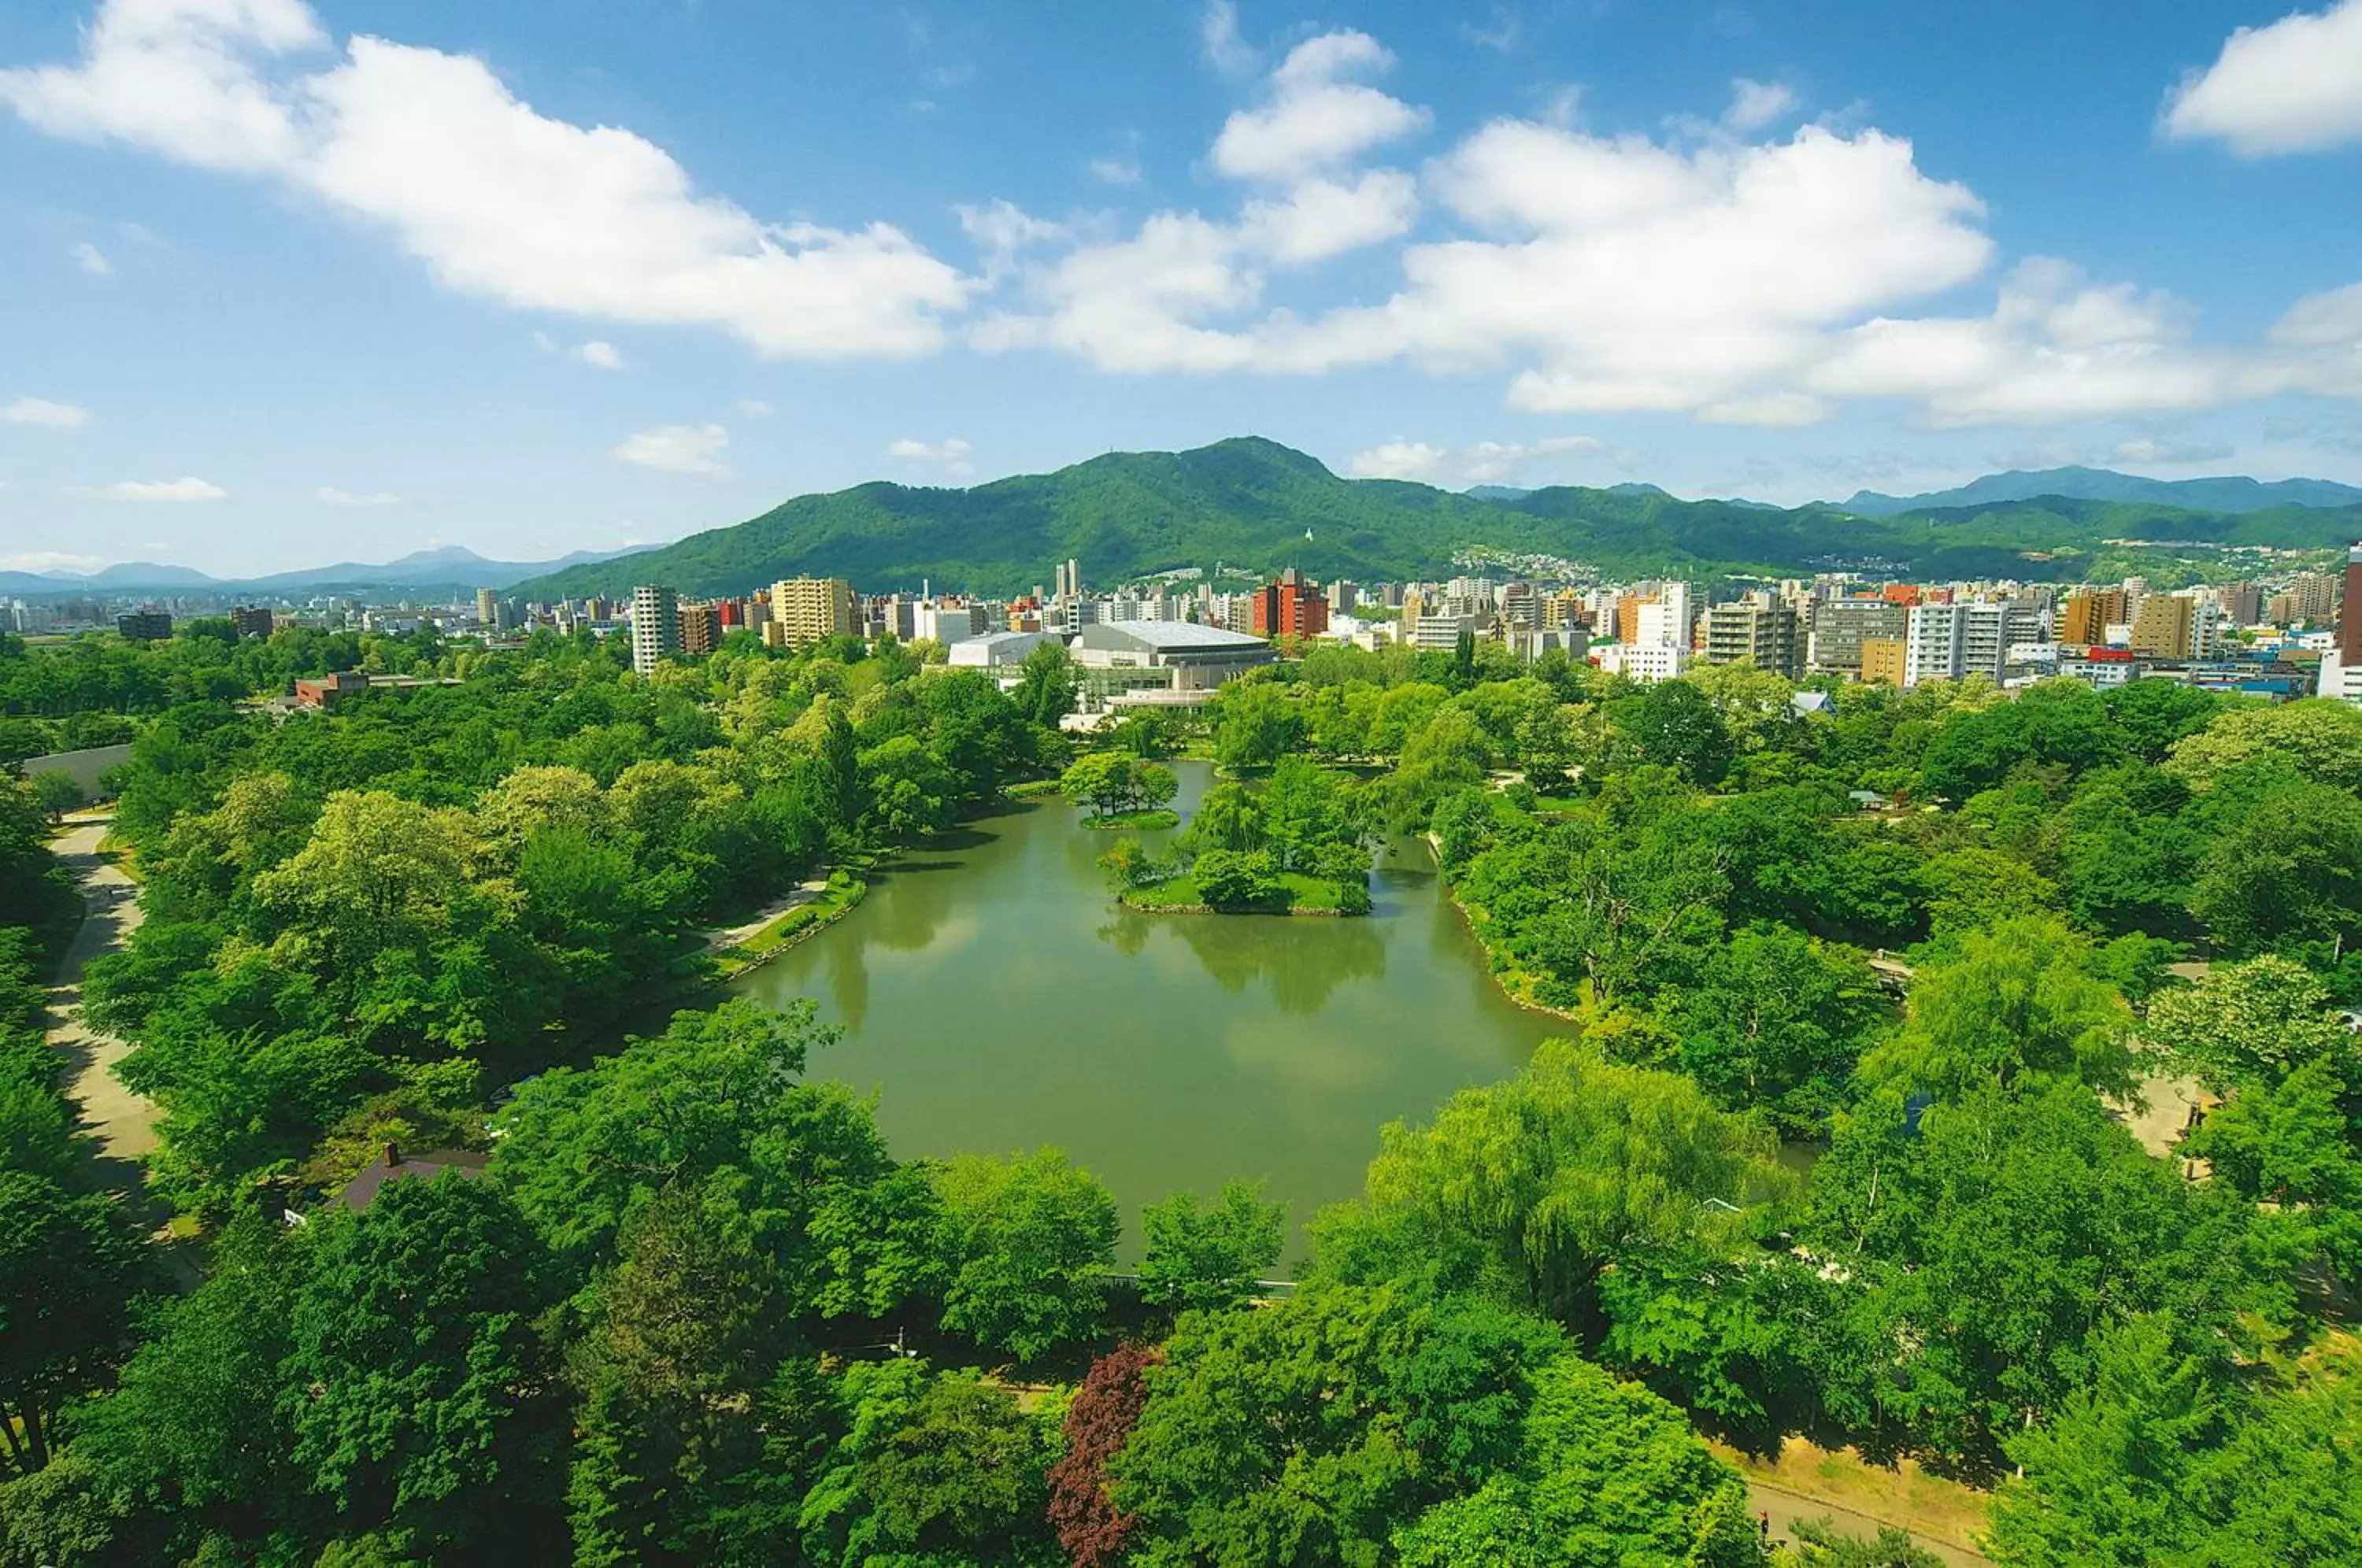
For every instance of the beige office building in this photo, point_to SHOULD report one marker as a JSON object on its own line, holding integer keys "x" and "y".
{"x": 806, "y": 609}
{"x": 2162, "y": 626}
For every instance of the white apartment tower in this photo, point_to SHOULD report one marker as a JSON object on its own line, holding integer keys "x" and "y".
{"x": 656, "y": 627}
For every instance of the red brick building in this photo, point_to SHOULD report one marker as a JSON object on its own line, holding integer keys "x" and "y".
{"x": 1291, "y": 607}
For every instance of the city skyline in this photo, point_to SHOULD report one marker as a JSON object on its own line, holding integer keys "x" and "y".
{"x": 711, "y": 258}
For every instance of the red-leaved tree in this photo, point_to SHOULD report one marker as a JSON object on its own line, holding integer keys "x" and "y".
{"x": 1099, "y": 1423}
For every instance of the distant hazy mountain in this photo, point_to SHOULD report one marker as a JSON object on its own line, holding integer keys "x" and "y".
{"x": 451, "y": 566}
{"x": 2232, "y": 494}
{"x": 1255, "y": 505}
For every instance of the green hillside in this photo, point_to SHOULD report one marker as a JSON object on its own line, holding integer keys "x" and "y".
{"x": 1248, "y": 503}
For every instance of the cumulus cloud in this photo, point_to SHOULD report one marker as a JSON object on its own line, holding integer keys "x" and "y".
{"x": 1485, "y": 463}
{"x": 1115, "y": 170}
{"x": 2053, "y": 348}
{"x": 1137, "y": 304}
{"x": 495, "y": 199}
{"x": 601, "y": 356}
{"x": 92, "y": 259}
{"x": 676, "y": 449}
{"x": 1396, "y": 460}
{"x": 335, "y": 497}
{"x": 48, "y": 416}
{"x": 1317, "y": 116}
{"x": 179, "y": 490}
{"x": 950, "y": 455}
{"x": 2294, "y": 85}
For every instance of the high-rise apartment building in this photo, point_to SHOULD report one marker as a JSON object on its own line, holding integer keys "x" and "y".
{"x": 807, "y": 609}
{"x": 144, "y": 626}
{"x": 2315, "y": 596}
{"x": 1837, "y": 628}
{"x": 2242, "y": 603}
{"x": 1970, "y": 637}
{"x": 656, "y": 627}
{"x": 2162, "y": 626}
{"x": 1290, "y": 607}
{"x": 253, "y": 621}
{"x": 2349, "y": 618}
{"x": 488, "y": 609}
{"x": 1771, "y": 636}
{"x": 2086, "y": 615}
{"x": 701, "y": 629}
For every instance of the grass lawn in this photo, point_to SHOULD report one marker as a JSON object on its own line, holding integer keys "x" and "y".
{"x": 1158, "y": 817}
{"x": 845, "y": 889}
{"x": 1313, "y": 896}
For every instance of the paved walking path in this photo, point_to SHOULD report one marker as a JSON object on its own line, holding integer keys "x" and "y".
{"x": 123, "y": 1123}
{"x": 800, "y": 894}
{"x": 1786, "y": 1507}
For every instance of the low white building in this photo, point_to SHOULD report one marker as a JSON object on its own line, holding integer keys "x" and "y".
{"x": 1177, "y": 655}
{"x": 996, "y": 650}
{"x": 1642, "y": 661}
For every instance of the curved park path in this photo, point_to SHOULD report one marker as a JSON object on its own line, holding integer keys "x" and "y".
{"x": 121, "y": 1123}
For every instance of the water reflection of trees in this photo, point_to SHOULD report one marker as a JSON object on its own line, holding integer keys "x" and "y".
{"x": 1306, "y": 957}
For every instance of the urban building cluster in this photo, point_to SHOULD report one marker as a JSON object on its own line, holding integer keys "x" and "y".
{"x": 1176, "y": 637}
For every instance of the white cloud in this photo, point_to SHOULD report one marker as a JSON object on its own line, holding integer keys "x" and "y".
{"x": 179, "y": 490}
{"x": 496, "y": 200}
{"x": 754, "y": 408}
{"x": 1754, "y": 105}
{"x": 92, "y": 259}
{"x": 1002, "y": 230}
{"x": 1501, "y": 37}
{"x": 40, "y": 411}
{"x": 2156, "y": 451}
{"x": 2054, "y": 349}
{"x": 51, "y": 560}
{"x": 2292, "y": 86}
{"x": 178, "y": 76}
{"x": 1486, "y": 462}
{"x": 950, "y": 455}
{"x": 601, "y": 356}
{"x": 1136, "y": 304}
{"x": 2324, "y": 320}
{"x": 1396, "y": 460}
{"x": 1316, "y": 116}
{"x": 335, "y": 497}
{"x": 1217, "y": 37}
{"x": 1321, "y": 219}
{"x": 1115, "y": 170}
{"x": 678, "y": 449}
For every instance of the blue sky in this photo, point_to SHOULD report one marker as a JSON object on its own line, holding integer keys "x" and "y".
{"x": 283, "y": 283}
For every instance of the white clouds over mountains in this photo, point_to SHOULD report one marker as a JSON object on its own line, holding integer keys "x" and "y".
{"x": 1719, "y": 270}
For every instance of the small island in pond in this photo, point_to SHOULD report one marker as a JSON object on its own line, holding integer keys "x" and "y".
{"x": 1295, "y": 846}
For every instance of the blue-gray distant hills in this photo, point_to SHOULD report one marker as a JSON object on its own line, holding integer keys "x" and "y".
{"x": 2231, "y": 493}
{"x": 1250, "y": 504}
{"x": 448, "y": 568}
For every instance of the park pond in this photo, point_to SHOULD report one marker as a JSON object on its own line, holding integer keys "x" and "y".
{"x": 995, "y": 998}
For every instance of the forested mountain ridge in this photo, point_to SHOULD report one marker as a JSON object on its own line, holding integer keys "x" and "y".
{"x": 1257, "y": 505}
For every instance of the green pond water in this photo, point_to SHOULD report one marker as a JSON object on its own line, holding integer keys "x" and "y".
{"x": 995, "y": 998}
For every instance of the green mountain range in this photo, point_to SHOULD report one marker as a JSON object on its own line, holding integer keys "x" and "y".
{"x": 1256, "y": 506}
